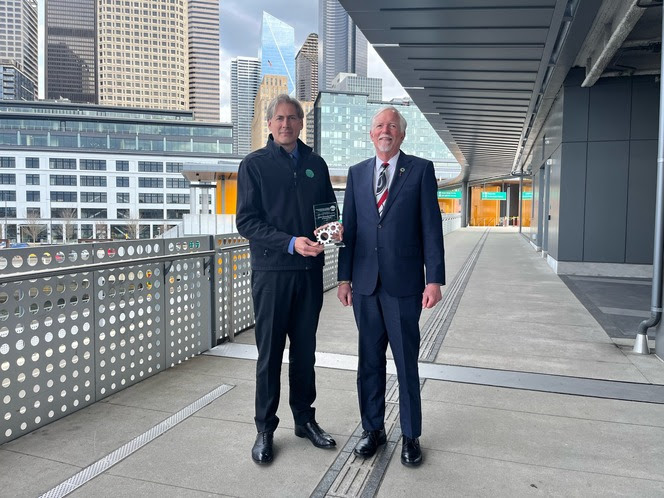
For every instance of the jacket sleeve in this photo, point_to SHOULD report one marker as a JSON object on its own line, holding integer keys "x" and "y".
{"x": 432, "y": 227}
{"x": 250, "y": 217}
{"x": 349, "y": 221}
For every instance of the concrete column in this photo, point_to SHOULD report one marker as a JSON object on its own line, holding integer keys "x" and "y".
{"x": 464, "y": 204}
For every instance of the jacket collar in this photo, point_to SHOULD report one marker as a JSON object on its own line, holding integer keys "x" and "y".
{"x": 303, "y": 149}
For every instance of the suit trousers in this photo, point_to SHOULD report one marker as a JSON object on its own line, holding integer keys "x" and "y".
{"x": 380, "y": 319}
{"x": 286, "y": 304}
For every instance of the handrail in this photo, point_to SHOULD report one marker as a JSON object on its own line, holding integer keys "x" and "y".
{"x": 18, "y": 277}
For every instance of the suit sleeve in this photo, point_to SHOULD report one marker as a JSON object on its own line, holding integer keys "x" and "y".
{"x": 250, "y": 217}
{"x": 432, "y": 228}
{"x": 349, "y": 221}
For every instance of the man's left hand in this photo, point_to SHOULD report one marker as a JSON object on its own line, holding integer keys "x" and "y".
{"x": 431, "y": 295}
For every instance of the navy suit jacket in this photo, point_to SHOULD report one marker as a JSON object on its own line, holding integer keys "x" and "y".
{"x": 400, "y": 244}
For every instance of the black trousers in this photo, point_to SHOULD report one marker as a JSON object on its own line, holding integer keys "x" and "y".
{"x": 286, "y": 304}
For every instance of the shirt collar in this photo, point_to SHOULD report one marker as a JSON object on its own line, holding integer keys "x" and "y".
{"x": 392, "y": 162}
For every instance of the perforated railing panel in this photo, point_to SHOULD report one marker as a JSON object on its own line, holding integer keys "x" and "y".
{"x": 130, "y": 344}
{"x": 330, "y": 268}
{"x": 188, "y": 301}
{"x": 46, "y": 339}
{"x": 243, "y": 305}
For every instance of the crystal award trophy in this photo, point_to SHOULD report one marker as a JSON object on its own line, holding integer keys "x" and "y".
{"x": 326, "y": 218}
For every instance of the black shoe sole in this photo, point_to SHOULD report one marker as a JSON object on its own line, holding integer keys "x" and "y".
{"x": 262, "y": 462}
{"x": 303, "y": 434}
{"x": 380, "y": 443}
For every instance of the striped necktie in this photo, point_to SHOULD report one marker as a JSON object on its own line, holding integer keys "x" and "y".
{"x": 381, "y": 189}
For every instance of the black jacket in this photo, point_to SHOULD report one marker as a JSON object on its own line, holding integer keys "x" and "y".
{"x": 275, "y": 203}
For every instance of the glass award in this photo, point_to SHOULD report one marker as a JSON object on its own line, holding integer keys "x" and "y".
{"x": 328, "y": 228}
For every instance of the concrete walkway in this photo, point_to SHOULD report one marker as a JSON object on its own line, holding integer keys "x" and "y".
{"x": 511, "y": 313}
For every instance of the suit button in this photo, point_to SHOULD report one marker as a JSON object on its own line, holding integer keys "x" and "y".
{"x": 375, "y": 248}
{"x": 380, "y": 226}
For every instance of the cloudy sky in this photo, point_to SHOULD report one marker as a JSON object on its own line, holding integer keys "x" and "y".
{"x": 240, "y": 35}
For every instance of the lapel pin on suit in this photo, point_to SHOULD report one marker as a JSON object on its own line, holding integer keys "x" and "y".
{"x": 401, "y": 171}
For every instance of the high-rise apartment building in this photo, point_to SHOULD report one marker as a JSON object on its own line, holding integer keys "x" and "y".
{"x": 271, "y": 86}
{"x": 277, "y": 49}
{"x": 343, "y": 121}
{"x": 306, "y": 69}
{"x": 18, "y": 46}
{"x": 343, "y": 47}
{"x": 245, "y": 80}
{"x": 143, "y": 53}
{"x": 71, "y": 50}
{"x": 204, "y": 59}
{"x": 348, "y": 82}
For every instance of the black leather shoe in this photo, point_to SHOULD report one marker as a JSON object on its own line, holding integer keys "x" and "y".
{"x": 262, "y": 453}
{"x": 411, "y": 454}
{"x": 313, "y": 432}
{"x": 369, "y": 442}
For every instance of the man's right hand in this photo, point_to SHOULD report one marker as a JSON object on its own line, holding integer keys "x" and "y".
{"x": 345, "y": 294}
{"x": 307, "y": 247}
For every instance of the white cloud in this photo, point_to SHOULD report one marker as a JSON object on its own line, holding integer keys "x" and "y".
{"x": 377, "y": 69}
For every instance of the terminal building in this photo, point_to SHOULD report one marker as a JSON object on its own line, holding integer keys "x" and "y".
{"x": 75, "y": 171}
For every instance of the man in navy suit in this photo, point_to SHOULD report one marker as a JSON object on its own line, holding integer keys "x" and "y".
{"x": 391, "y": 267}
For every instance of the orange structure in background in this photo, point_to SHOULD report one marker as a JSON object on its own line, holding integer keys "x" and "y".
{"x": 449, "y": 206}
{"x": 484, "y": 213}
{"x": 226, "y": 196}
{"x": 526, "y": 204}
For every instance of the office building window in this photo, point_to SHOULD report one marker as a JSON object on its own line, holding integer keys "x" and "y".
{"x": 177, "y": 198}
{"x": 60, "y": 163}
{"x": 93, "y": 164}
{"x": 150, "y": 182}
{"x": 7, "y": 179}
{"x": 150, "y": 198}
{"x": 32, "y": 162}
{"x": 122, "y": 181}
{"x": 32, "y": 195}
{"x": 173, "y": 167}
{"x": 151, "y": 214}
{"x": 32, "y": 179}
{"x": 93, "y": 196}
{"x": 63, "y": 196}
{"x": 7, "y": 162}
{"x": 33, "y": 212}
{"x": 177, "y": 183}
{"x": 93, "y": 181}
{"x": 9, "y": 212}
{"x": 123, "y": 214}
{"x": 150, "y": 166}
{"x": 7, "y": 195}
{"x": 68, "y": 180}
{"x": 66, "y": 213}
{"x": 93, "y": 213}
{"x": 121, "y": 165}
{"x": 122, "y": 197}
{"x": 176, "y": 214}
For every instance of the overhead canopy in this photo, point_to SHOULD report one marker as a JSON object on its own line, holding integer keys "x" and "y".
{"x": 485, "y": 72}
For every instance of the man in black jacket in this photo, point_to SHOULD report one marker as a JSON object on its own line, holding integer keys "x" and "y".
{"x": 278, "y": 187}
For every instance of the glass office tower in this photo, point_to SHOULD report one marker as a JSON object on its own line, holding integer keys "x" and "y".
{"x": 245, "y": 80}
{"x": 343, "y": 47}
{"x": 71, "y": 50}
{"x": 277, "y": 50}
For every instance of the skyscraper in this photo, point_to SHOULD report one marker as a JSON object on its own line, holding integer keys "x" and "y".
{"x": 306, "y": 69}
{"x": 271, "y": 86}
{"x": 277, "y": 50}
{"x": 204, "y": 59}
{"x": 71, "y": 50}
{"x": 343, "y": 47}
{"x": 18, "y": 46}
{"x": 352, "y": 83}
{"x": 245, "y": 79}
{"x": 143, "y": 54}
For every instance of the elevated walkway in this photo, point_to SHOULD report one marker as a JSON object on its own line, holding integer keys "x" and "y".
{"x": 524, "y": 393}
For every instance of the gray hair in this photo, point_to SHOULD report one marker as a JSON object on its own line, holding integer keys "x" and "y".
{"x": 402, "y": 120}
{"x": 284, "y": 99}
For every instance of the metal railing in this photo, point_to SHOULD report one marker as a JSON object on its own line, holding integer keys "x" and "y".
{"x": 81, "y": 322}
